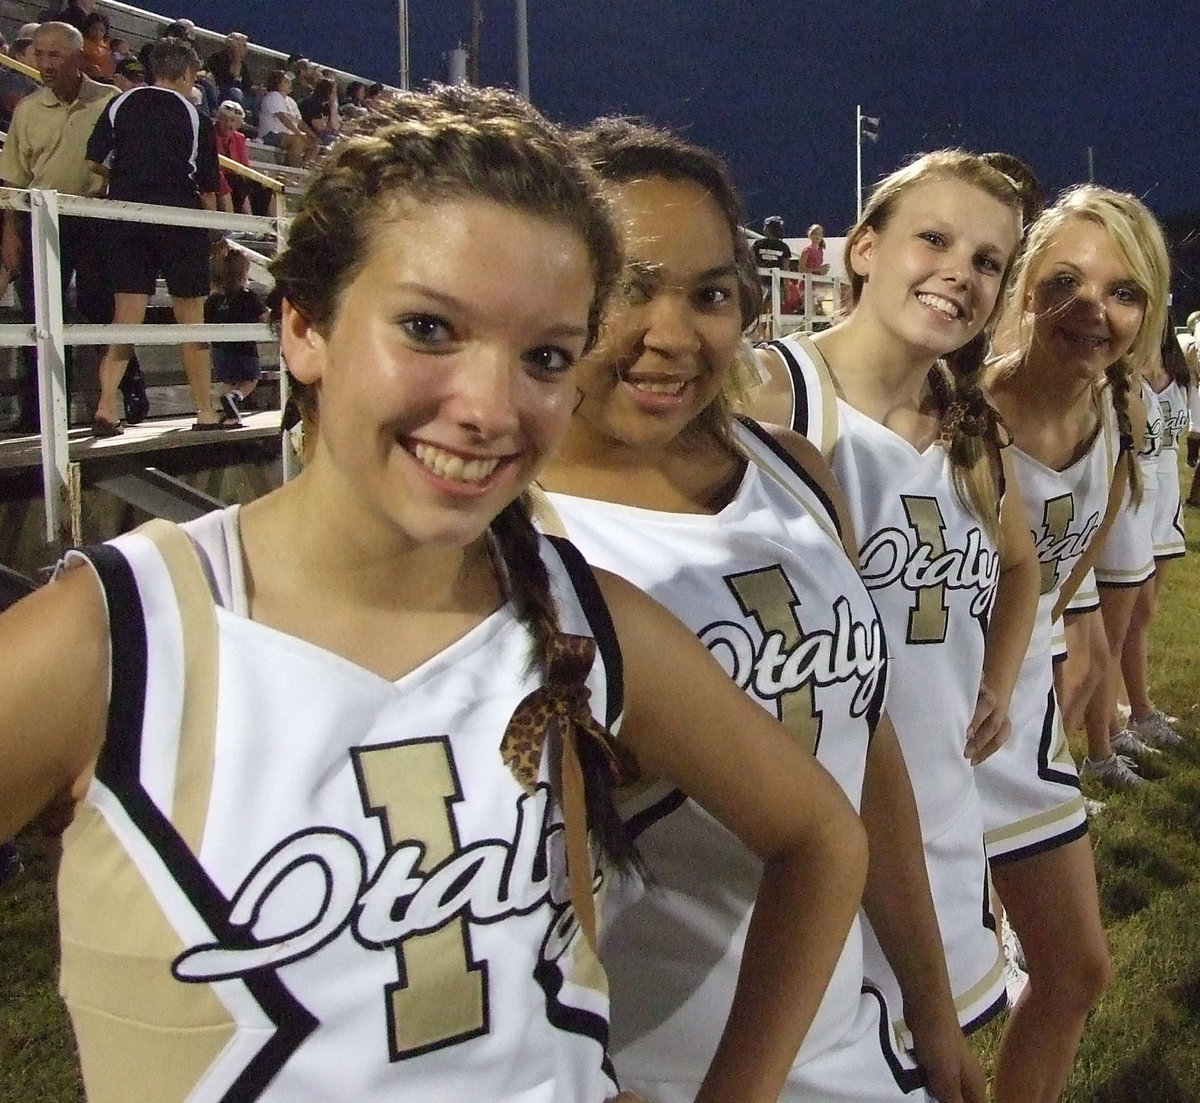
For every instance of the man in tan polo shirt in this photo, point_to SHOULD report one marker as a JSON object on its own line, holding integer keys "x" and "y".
{"x": 45, "y": 149}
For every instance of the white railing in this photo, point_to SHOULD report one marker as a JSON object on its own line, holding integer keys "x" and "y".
{"x": 51, "y": 334}
{"x": 821, "y": 297}
{"x": 214, "y": 40}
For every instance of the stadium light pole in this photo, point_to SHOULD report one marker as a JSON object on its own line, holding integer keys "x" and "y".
{"x": 404, "y": 44}
{"x": 523, "y": 49}
{"x": 865, "y": 126}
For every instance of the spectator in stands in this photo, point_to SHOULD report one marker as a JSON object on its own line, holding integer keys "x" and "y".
{"x": 97, "y": 54}
{"x": 153, "y": 146}
{"x": 237, "y": 194}
{"x": 73, "y": 13}
{"x": 770, "y": 250}
{"x": 354, "y": 103}
{"x": 14, "y": 86}
{"x": 235, "y": 363}
{"x": 304, "y": 82}
{"x": 45, "y": 149}
{"x": 319, "y": 112}
{"x": 229, "y": 70}
{"x": 120, "y": 49}
{"x": 279, "y": 122}
{"x": 129, "y": 74}
{"x": 181, "y": 28}
{"x": 812, "y": 256}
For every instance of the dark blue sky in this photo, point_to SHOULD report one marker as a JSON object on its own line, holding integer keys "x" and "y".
{"x": 773, "y": 86}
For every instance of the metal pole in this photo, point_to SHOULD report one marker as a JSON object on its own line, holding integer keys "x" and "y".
{"x": 53, "y": 399}
{"x": 522, "y": 49}
{"x": 858, "y": 161}
{"x": 404, "y": 44}
{"x": 1091, "y": 166}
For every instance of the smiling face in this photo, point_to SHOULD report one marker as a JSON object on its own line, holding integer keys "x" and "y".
{"x": 934, "y": 270}
{"x": 668, "y": 342}
{"x": 1087, "y": 306}
{"x": 446, "y": 374}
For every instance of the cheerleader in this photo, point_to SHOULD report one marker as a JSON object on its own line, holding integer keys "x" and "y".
{"x": 1171, "y": 380}
{"x": 1088, "y": 302}
{"x": 336, "y": 754}
{"x": 735, "y": 528}
{"x": 945, "y": 549}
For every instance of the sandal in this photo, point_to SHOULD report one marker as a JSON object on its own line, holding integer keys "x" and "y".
{"x": 215, "y": 426}
{"x": 102, "y": 427}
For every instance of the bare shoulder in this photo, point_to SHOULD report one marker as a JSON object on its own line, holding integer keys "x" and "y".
{"x": 53, "y": 691}
{"x": 770, "y": 400}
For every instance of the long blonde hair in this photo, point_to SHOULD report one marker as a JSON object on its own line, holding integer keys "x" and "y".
{"x": 1139, "y": 239}
{"x": 969, "y": 424}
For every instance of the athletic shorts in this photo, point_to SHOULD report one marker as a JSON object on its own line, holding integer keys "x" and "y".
{"x": 138, "y": 253}
{"x": 961, "y": 890}
{"x": 232, "y": 368}
{"x": 1168, "y": 512}
{"x": 865, "y": 1066}
{"x": 1030, "y": 787}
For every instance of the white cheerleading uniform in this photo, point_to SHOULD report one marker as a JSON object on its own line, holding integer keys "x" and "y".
{"x": 1030, "y": 786}
{"x": 765, "y": 584}
{"x": 1168, "y": 511}
{"x": 1127, "y": 557}
{"x": 932, "y": 570}
{"x": 293, "y": 880}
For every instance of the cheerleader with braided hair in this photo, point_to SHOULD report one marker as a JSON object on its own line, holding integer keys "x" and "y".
{"x": 344, "y": 758}
{"x": 892, "y": 396}
{"x": 1086, "y": 307}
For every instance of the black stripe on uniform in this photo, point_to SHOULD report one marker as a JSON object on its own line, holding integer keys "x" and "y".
{"x": 800, "y": 412}
{"x": 599, "y": 620}
{"x": 118, "y": 769}
{"x": 907, "y": 1079}
{"x": 785, "y": 457}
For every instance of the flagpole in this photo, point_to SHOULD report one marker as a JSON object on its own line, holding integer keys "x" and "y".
{"x": 858, "y": 161}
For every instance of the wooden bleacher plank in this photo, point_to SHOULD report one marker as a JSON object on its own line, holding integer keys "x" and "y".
{"x": 156, "y": 435}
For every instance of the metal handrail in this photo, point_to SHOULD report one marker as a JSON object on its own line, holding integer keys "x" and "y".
{"x": 51, "y": 335}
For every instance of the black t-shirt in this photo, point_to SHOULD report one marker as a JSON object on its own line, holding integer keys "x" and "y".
{"x": 312, "y": 108}
{"x": 243, "y": 306}
{"x": 771, "y": 252}
{"x": 162, "y": 149}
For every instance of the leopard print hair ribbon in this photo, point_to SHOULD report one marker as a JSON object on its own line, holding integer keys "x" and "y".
{"x": 559, "y": 710}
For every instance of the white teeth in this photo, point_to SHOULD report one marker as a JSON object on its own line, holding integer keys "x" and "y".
{"x": 447, "y": 465}
{"x": 655, "y": 387}
{"x": 942, "y": 306}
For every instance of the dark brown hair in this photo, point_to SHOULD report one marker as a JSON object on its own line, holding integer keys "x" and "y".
{"x": 446, "y": 144}
{"x": 623, "y": 150}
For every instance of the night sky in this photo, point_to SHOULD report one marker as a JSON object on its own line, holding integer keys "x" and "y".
{"x": 773, "y": 86}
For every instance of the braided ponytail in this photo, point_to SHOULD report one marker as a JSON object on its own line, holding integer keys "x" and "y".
{"x": 1120, "y": 377}
{"x": 972, "y": 430}
{"x": 528, "y": 586}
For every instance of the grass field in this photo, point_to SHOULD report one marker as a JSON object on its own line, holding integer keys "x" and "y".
{"x": 1141, "y": 1044}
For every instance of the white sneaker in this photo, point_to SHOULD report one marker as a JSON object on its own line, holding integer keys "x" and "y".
{"x": 1015, "y": 980}
{"x": 1156, "y": 729}
{"x": 1127, "y": 743}
{"x": 1116, "y": 771}
{"x": 1012, "y": 944}
{"x": 1092, "y": 808}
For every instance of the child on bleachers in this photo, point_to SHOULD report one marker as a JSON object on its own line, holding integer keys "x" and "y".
{"x": 235, "y": 363}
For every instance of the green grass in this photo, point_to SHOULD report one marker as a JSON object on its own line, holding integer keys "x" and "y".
{"x": 1141, "y": 1041}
